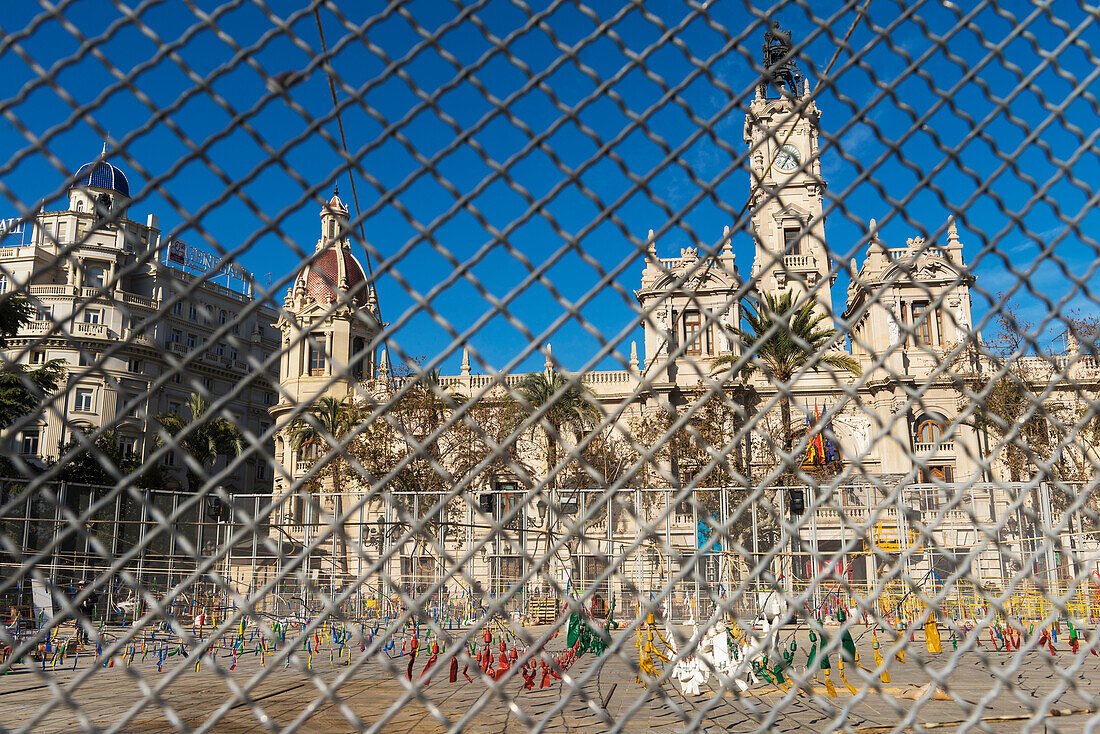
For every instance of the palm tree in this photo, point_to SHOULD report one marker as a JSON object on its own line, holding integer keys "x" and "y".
{"x": 782, "y": 340}
{"x": 569, "y": 405}
{"x": 322, "y": 429}
{"x": 207, "y": 437}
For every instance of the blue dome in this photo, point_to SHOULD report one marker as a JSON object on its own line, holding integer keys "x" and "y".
{"x": 103, "y": 175}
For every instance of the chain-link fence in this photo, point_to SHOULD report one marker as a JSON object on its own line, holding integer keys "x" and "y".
{"x": 287, "y": 446}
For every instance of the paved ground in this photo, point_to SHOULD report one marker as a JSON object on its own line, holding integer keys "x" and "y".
{"x": 985, "y": 685}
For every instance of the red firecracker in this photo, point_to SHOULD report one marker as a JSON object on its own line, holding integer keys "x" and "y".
{"x": 413, "y": 645}
{"x": 430, "y": 663}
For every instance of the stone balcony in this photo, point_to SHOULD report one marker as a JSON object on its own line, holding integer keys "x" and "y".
{"x": 94, "y": 331}
{"x": 798, "y": 262}
{"x": 945, "y": 448}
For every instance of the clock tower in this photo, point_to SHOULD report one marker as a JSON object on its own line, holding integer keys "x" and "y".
{"x": 781, "y": 129}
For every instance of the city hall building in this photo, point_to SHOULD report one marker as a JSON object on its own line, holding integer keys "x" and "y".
{"x": 904, "y": 419}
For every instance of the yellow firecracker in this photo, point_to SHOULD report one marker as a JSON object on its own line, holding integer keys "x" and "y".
{"x": 878, "y": 659}
{"x": 932, "y": 635}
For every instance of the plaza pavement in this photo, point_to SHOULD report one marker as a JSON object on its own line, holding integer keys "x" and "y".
{"x": 991, "y": 691}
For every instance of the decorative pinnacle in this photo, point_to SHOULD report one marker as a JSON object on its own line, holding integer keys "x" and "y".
{"x": 634, "y": 356}
{"x": 549, "y": 363}
{"x": 336, "y": 189}
{"x": 652, "y": 243}
{"x": 952, "y": 230}
{"x": 104, "y": 151}
{"x": 465, "y": 362}
{"x": 727, "y": 245}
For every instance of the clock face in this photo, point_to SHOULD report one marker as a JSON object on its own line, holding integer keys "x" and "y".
{"x": 788, "y": 158}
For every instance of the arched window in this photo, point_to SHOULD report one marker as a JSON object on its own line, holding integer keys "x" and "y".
{"x": 929, "y": 429}
{"x": 3, "y": 284}
{"x": 331, "y": 228}
{"x": 79, "y": 205}
{"x": 222, "y": 318}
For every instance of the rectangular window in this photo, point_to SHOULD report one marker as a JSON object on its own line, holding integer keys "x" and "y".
{"x": 191, "y": 340}
{"x": 174, "y": 407}
{"x": 38, "y": 357}
{"x": 936, "y": 473}
{"x": 176, "y": 377}
{"x": 43, "y": 313}
{"x": 233, "y": 354}
{"x": 28, "y": 445}
{"x": 93, "y": 316}
{"x": 208, "y": 383}
{"x": 220, "y": 349}
{"x": 317, "y": 359}
{"x": 922, "y": 323}
{"x": 127, "y": 447}
{"x": 62, "y": 230}
{"x": 170, "y": 459}
{"x": 83, "y": 400}
{"x": 792, "y": 241}
{"x": 134, "y": 365}
{"x": 177, "y": 308}
{"x": 177, "y": 335}
{"x": 694, "y": 337}
{"x": 193, "y": 313}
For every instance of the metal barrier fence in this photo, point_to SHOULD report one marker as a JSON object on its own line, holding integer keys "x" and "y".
{"x": 822, "y": 568}
{"x": 268, "y": 471}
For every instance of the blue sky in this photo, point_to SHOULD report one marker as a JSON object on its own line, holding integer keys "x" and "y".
{"x": 895, "y": 164}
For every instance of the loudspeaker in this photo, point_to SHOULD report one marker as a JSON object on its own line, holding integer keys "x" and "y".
{"x": 487, "y": 502}
{"x": 797, "y": 500}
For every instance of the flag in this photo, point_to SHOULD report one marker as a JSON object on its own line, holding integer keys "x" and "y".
{"x": 811, "y": 448}
{"x": 819, "y": 440}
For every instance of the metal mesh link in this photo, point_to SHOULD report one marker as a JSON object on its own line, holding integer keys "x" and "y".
{"x": 846, "y": 485}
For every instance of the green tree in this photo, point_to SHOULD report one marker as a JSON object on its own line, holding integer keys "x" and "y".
{"x": 208, "y": 438}
{"x": 23, "y": 390}
{"x": 320, "y": 435}
{"x": 417, "y": 438}
{"x": 782, "y": 339}
{"x": 102, "y": 463}
{"x": 566, "y": 405}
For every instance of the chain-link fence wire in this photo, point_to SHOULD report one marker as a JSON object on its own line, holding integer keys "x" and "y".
{"x": 871, "y": 474}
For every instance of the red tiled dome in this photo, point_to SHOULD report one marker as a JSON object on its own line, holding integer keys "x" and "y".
{"x": 334, "y": 268}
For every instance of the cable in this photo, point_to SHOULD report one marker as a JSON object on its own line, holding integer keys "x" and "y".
{"x": 347, "y": 154}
